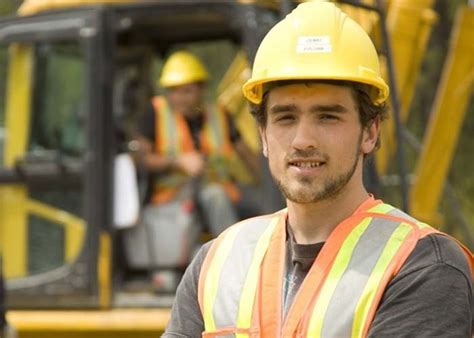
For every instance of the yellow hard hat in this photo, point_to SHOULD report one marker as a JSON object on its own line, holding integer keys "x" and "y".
{"x": 182, "y": 68}
{"x": 316, "y": 41}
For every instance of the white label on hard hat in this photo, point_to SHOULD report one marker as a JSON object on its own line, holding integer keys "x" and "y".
{"x": 314, "y": 44}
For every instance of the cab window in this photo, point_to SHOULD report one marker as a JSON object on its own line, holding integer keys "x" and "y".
{"x": 42, "y": 133}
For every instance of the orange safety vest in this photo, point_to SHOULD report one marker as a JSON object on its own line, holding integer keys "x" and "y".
{"x": 241, "y": 280}
{"x": 174, "y": 138}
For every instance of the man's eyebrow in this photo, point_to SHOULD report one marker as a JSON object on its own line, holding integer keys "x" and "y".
{"x": 328, "y": 108}
{"x": 282, "y": 108}
{"x": 319, "y": 108}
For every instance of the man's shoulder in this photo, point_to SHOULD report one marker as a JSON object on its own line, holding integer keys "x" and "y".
{"x": 432, "y": 294}
{"x": 437, "y": 249}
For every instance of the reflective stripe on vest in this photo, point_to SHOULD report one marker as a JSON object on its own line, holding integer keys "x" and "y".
{"x": 350, "y": 287}
{"x": 224, "y": 307}
{"x": 174, "y": 138}
{"x": 340, "y": 293}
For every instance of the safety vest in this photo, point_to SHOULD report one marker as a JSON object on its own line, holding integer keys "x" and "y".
{"x": 174, "y": 138}
{"x": 241, "y": 280}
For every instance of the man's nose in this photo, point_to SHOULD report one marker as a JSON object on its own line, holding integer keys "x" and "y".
{"x": 306, "y": 135}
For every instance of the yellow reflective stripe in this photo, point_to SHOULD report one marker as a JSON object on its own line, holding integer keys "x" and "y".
{"x": 365, "y": 302}
{"x": 247, "y": 299}
{"x": 337, "y": 270}
{"x": 164, "y": 126}
{"x": 211, "y": 137}
{"x": 213, "y": 129}
{"x": 173, "y": 131}
{"x": 212, "y": 279}
{"x": 422, "y": 225}
{"x": 381, "y": 208}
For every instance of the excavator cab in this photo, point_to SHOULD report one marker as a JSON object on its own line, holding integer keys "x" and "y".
{"x": 74, "y": 83}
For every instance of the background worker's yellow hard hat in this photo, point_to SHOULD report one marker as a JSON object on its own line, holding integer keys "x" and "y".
{"x": 182, "y": 68}
{"x": 316, "y": 41}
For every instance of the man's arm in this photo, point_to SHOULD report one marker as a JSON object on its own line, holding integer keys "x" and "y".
{"x": 186, "y": 318}
{"x": 432, "y": 296}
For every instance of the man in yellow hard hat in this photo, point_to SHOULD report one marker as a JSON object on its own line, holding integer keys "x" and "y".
{"x": 336, "y": 262}
{"x": 186, "y": 144}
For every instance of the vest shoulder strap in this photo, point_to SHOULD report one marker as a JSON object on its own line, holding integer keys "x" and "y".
{"x": 236, "y": 254}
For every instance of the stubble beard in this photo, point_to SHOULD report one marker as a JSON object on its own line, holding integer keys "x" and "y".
{"x": 326, "y": 190}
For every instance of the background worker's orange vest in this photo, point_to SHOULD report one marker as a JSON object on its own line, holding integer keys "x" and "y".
{"x": 241, "y": 280}
{"x": 173, "y": 138}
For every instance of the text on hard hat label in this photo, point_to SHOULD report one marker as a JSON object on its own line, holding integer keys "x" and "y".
{"x": 314, "y": 44}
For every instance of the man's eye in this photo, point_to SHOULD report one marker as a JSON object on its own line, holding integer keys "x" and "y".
{"x": 328, "y": 117}
{"x": 284, "y": 118}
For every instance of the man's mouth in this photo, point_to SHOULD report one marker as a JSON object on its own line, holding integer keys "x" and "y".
{"x": 305, "y": 165}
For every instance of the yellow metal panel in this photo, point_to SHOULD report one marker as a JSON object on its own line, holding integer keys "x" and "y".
{"x": 365, "y": 18}
{"x": 409, "y": 24}
{"x": 131, "y": 323}
{"x": 387, "y": 146}
{"x": 74, "y": 227}
{"x": 447, "y": 116}
{"x": 104, "y": 270}
{"x": 75, "y": 231}
{"x": 18, "y": 96}
{"x": 30, "y": 7}
{"x": 13, "y": 220}
{"x": 230, "y": 96}
{"x": 13, "y": 229}
{"x": 387, "y": 141}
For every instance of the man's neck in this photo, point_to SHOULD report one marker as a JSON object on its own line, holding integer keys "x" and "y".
{"x": 313, "y": 223}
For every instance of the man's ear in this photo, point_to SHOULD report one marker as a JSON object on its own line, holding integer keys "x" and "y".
{"x": 263, "y": 138}
{"x": 370, "y": 136}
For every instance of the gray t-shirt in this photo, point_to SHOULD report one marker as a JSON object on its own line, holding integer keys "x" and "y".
{"x": 431, "y": 296}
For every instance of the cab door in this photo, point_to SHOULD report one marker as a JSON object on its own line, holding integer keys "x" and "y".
{"x": 53, "y": 165}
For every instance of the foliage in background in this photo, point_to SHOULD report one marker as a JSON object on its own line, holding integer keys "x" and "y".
{"x": 8, "y": 7}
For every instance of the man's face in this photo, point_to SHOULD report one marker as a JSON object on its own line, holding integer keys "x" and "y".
{"x": 186, "y": 99}
{"x": 314, "y": 140}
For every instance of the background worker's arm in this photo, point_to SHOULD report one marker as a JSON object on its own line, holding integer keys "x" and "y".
{"x": 191, "y": 163}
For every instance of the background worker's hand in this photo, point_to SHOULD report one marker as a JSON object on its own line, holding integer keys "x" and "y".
{"x": 191, "y": 163}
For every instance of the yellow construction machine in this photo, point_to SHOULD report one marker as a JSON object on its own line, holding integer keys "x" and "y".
{"x": 75, "y": 76}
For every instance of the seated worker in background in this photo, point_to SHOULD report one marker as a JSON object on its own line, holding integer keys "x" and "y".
{"x": 185, "y": 143}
